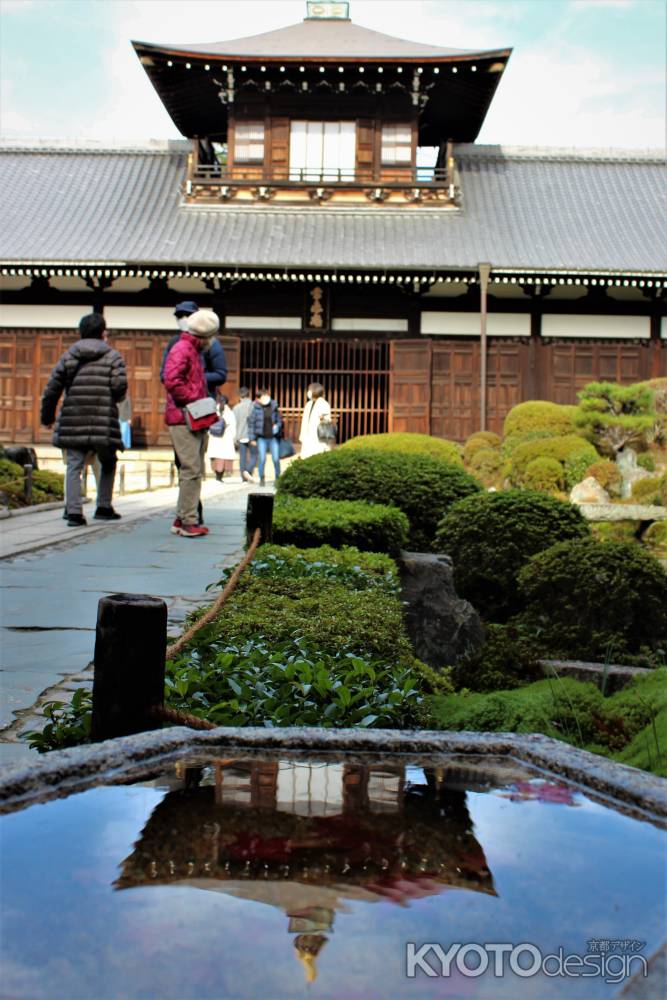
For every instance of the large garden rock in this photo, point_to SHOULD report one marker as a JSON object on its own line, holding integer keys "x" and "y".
{"x": 589, "y": 491}
{"x": 442, "y": 626}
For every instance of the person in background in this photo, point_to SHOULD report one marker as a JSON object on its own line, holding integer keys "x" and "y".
{"x": 221, "y": 450}
{"x": 247, "y": 452}
{"x": 315, "y": 412}
{"x": 92, "y": 376}
{"x": 265, "y": 427}
{"x": 212, "y": 358}
{"x": 185, "y": 383}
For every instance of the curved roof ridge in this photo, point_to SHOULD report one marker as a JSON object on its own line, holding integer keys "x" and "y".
{"x": 65, "y": 145}
{"x": 313, "y": 38}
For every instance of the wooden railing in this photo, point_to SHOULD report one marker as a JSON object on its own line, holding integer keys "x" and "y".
{"x": 388, "y": 176}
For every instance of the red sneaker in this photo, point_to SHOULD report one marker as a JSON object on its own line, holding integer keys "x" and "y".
{"x": 192, "y": 530}
{"x": 176, "y": 526}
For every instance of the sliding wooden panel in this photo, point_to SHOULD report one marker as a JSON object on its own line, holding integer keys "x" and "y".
{"x": 570, "y": 364}
{"x": 410, "y": 386}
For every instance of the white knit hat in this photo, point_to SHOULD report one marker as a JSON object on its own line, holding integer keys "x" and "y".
{"x": 203, "y": 323}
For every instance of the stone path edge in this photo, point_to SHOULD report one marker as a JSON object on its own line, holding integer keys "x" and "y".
{"x": 65, "y": 772}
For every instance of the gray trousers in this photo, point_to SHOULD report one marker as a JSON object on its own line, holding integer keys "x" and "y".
{"x": 76, "y": 461}
{"x": 190, "y": 448}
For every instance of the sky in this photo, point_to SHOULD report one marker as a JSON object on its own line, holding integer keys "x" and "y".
{"x": 586, "y": 73}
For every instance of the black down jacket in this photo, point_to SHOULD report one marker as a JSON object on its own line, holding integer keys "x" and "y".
{"x": 92, "y": 376}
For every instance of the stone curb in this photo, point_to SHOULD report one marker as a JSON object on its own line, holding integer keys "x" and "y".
{"x": 64, "y": 772}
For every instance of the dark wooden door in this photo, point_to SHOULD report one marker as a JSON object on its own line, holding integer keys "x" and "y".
{"x": 410, "y": 386}
{"x": 568, "y": 365}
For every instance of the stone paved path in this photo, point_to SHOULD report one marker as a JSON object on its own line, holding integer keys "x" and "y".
{"x": 49, "y": 594}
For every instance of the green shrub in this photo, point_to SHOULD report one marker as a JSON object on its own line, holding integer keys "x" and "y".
{"x": 596, "y": 600}
{"x": 370, "y": 527}
{"x": 47, "y": 487}
{"x": 616, "y": 415}
{"x": 573, "y": 452}
{"x": 421, "y": 486}
{"x": 645, "y": 460}
{"x": 490, "y": 536}
{"x": 480, "y": 440}
{"x": 487, "y": 465}
{"x": 409, "y": 444}
{"x": 544, "y": 475}
{"x": 652, "y": 490}
{"x": 348, "y": 566}
{"x": 615, "y": 531}
{"x": 507, "y": 659}
{"x": 655, "y": 539}
{"x": 539, "y": 415}
{"x": 607, "y": 474}
{"x": 630, "y": 726}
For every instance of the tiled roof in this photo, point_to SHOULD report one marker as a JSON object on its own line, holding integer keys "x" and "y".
{"x": 535, "y": 209}
{"x": 313, "y": 39}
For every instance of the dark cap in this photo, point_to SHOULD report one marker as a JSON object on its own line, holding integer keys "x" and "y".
{"x": 186, "y": 307}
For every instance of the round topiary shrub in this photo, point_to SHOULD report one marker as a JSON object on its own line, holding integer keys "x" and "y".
{"x": 481, "y": 440}
{"x": 421, "y": 486}
{"x": 544, "y": 475}
{"x": 607, "y": 474}
{"x": 539, "y": 415}
{"x": 508, "y": 659}
{"x": 595, "y": 600}
{"x": 491, "y": 536}
{"x": 409, "y": 444}
{"x": 645, "y": 460}
{"x": 573, "y": 452}
{"x": 652, "y": 490}
{"x": 487, "y": 465}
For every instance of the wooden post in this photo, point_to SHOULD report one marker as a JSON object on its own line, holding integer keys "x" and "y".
{"x": 484, "y": 272}
{"x": 172, "y": 473}
{"x": 148, "y": 475}
{"x": 130, "y": 648}
{"x": 27, "y": 483}
{"x": 259, "y": 514}
{"x": 121, "y": 481}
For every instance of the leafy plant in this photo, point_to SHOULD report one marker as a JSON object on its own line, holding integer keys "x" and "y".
{"x": 68, "y": 725}
{"x": 291, "y": 683}
{"x": 478, "y": 441}
{"x": 539, "y": 415}
{"x": 544, "y": 474}
{"x": 421, "y": 486}
{"x": 573, "y": 453}
{"x": 490, "y": 537}
{"x": 508, "y": 659}
{"x": 607, "y": 474}
{"x": 652, "y": 490}
{"x": 315, "y": 521}
{"x": 487, "y": 465}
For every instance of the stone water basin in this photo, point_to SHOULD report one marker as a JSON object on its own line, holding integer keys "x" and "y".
{"x": 180, "y": 866}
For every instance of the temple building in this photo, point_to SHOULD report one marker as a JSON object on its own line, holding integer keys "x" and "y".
{"x": 330, "y": 202}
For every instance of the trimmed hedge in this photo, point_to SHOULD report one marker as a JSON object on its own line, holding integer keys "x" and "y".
{"x": 491, "y": 536}
{"x": 539, "y": 415}
{"x": 487, "y": 465}
{"x": 596, "y": 600}
{"x": 573, "y": 452}
{"x": 421, "y": 486}
{"x": 409, "y": 444}
{"x": 478, "y": 441}
{"x": 651, "y": 490}
{"x": 312, "y": 522}
{"x": 349, "y": 566}
{"x": 607, "y": 474}
{"x": 47, "y": 487}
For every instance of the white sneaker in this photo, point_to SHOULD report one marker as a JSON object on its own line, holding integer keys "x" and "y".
{"x": 248, "y": 478}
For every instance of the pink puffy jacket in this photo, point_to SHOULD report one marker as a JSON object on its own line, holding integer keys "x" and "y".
{"x": 183, "y": 377}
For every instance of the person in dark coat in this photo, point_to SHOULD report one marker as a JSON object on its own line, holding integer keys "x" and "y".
{"x": 92, "y": 376}
{"x": 265, "y": 427}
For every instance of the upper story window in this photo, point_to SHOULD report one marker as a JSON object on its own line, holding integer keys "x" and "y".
{"x": 322, "y": 151}
{"x": 249, "y": 142}
{"x": 397, "y": 144}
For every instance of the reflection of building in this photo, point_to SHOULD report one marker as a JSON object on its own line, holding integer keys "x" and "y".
{"x": 308, "y": 837}
{"x": 298, "y": 206}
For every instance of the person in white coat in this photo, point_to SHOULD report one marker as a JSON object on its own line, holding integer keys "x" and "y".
{"x": 316, "y": 411}
{"x": 221, "y": 449}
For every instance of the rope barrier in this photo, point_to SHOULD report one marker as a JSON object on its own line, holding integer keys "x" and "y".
{"x": 219, "y": 602}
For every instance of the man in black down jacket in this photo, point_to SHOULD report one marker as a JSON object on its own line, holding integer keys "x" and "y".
{"x": 92, "y": 376}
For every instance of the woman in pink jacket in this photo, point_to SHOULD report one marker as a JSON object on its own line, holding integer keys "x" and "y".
{"x": 185, "y": 383}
